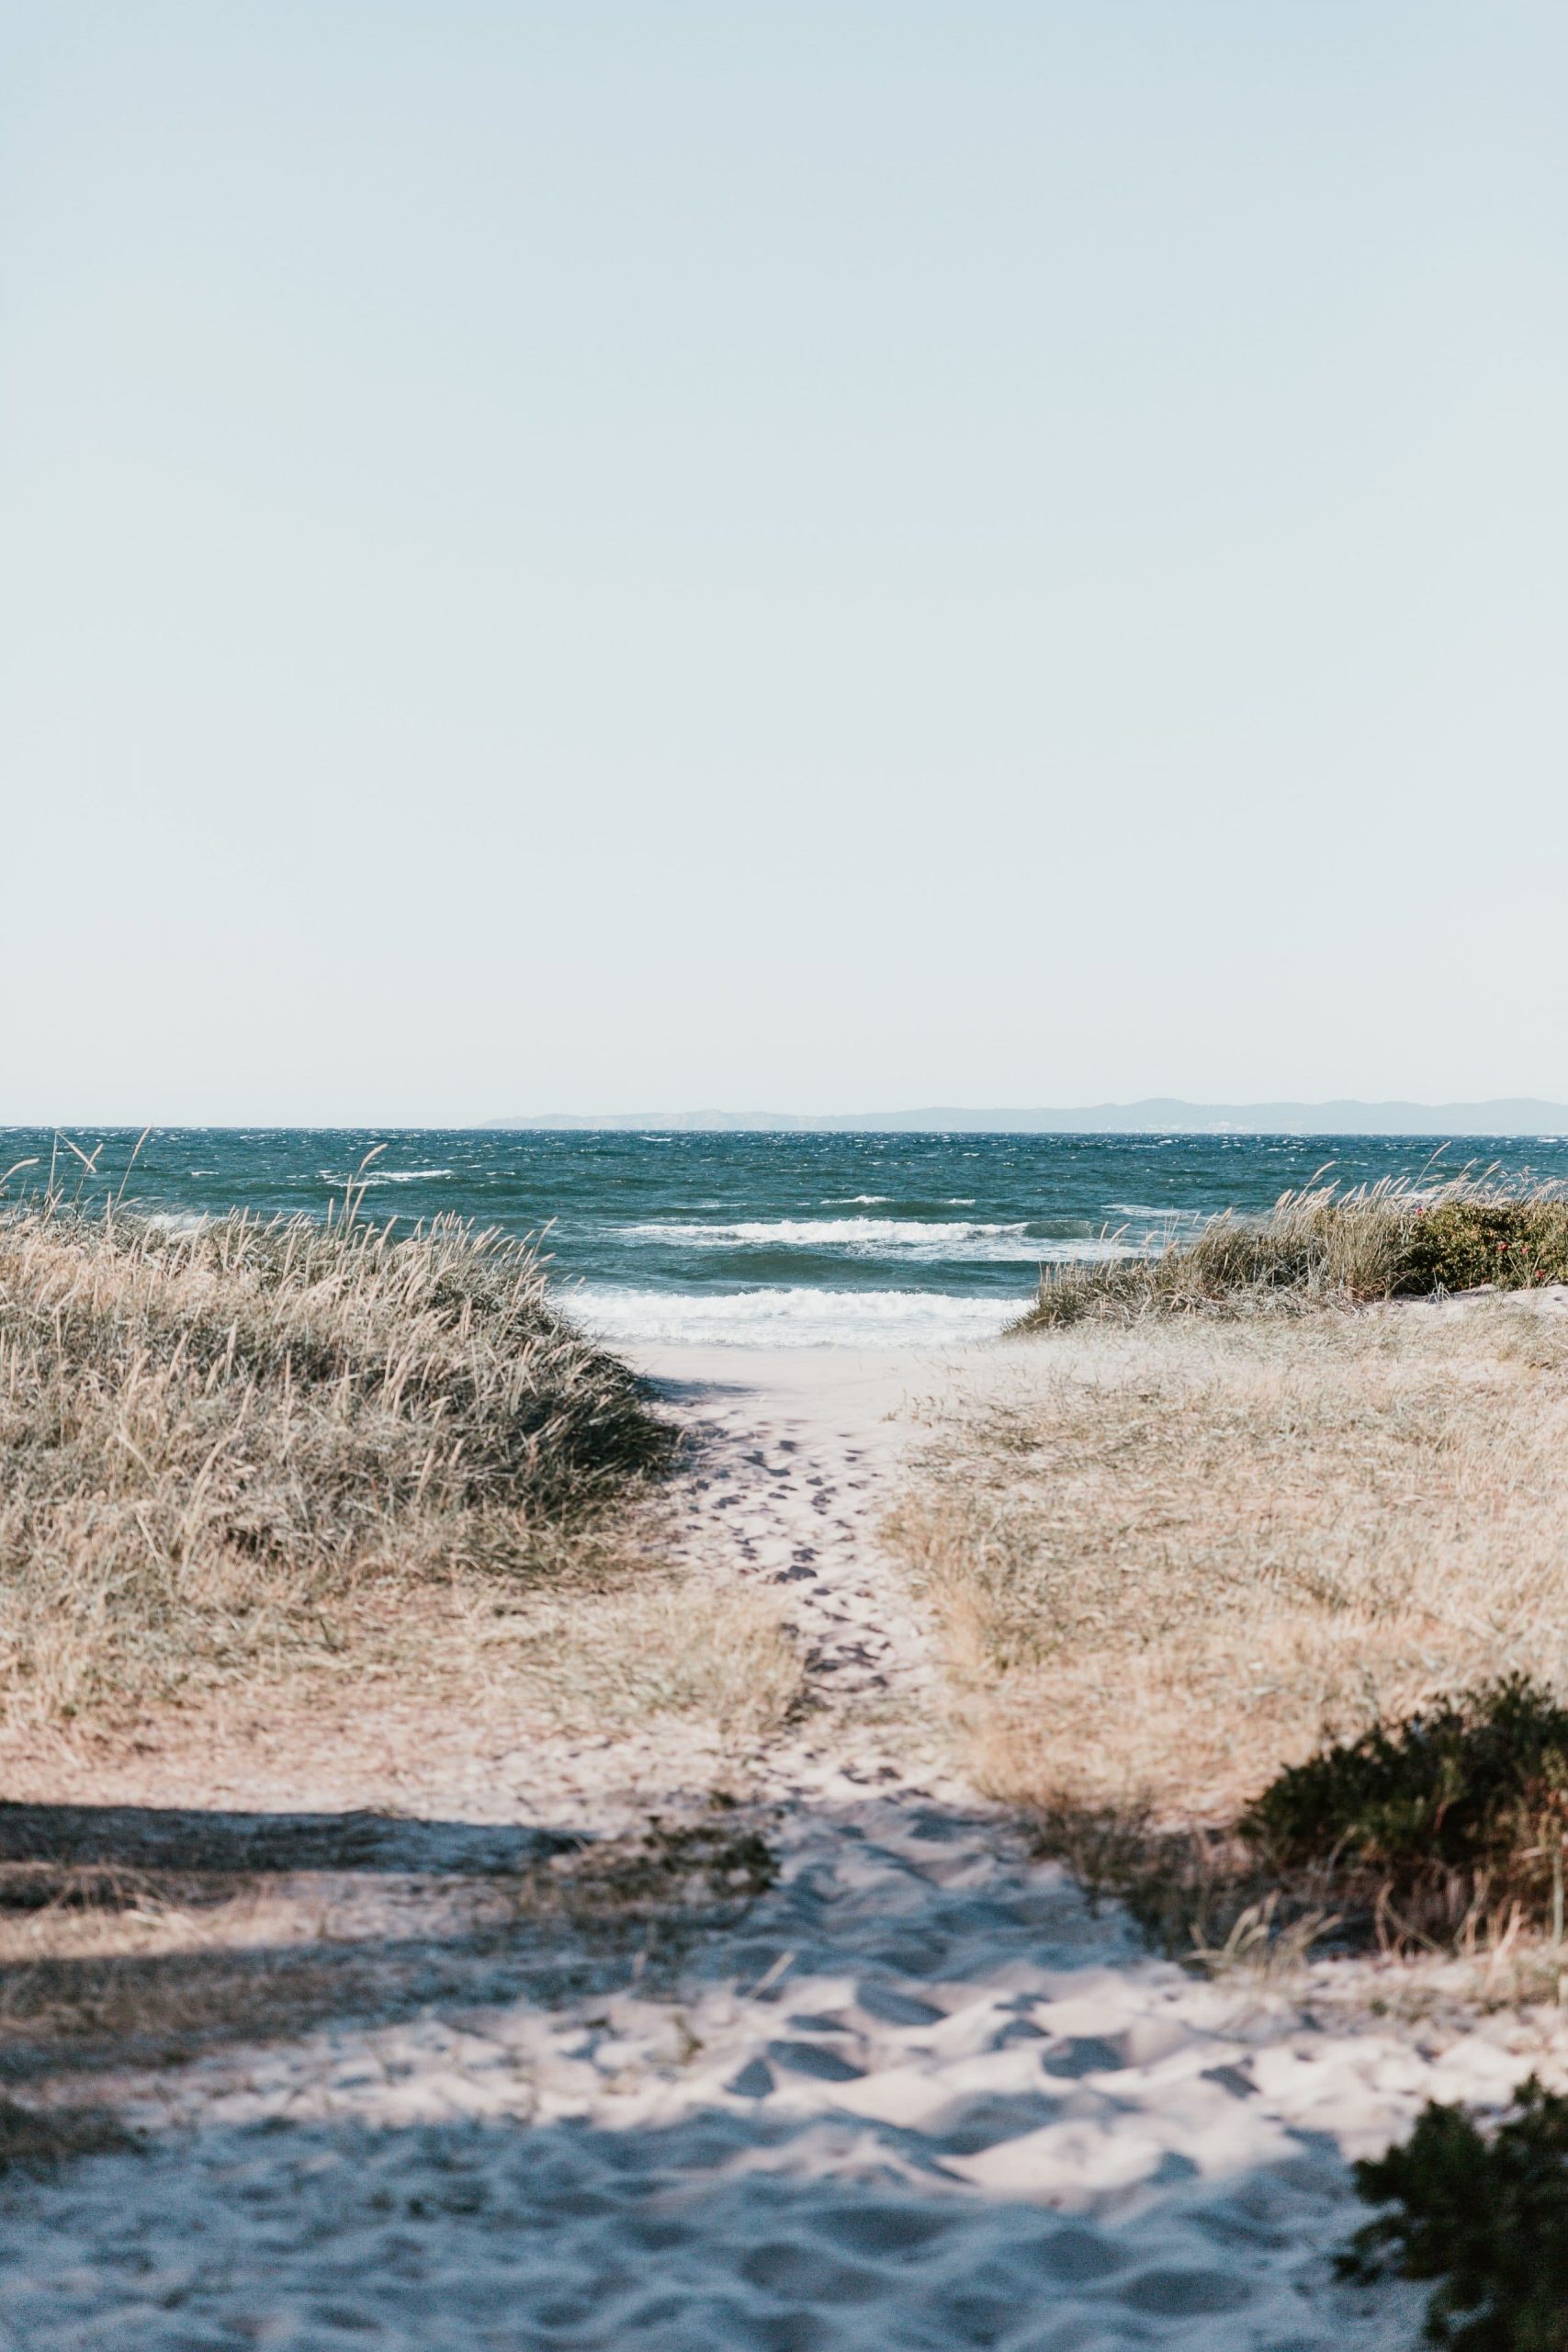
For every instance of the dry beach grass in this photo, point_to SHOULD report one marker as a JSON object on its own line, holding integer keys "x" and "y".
{"x": 1252, "y": 1495}
{"x": 1326, "y": 1246}
{"x": 328, "y": 1519}
{"x": 246, "y": 1451}
{"x": 212, "y": 1440}
{"x": 1169, "y": 1555}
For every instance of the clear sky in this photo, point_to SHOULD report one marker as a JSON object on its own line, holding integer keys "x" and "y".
{"x": 831, "y": 554}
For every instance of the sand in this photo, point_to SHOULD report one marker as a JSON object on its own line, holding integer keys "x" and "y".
{"x": 918, "y": 2095}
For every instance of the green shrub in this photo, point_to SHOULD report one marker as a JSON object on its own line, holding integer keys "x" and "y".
{"x": 1460, "y": 1244}
{"x": 1487, "y": 2218}
{"x": 1476, "y": 1787}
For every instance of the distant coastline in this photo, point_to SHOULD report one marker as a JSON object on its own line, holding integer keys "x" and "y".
{"x": 1154, "y": 1115}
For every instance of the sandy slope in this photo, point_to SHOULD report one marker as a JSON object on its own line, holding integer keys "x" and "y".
{"x": 916, "y": 2095}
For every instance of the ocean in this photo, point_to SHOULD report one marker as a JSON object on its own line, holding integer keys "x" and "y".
{"x": 761, "y": 1240}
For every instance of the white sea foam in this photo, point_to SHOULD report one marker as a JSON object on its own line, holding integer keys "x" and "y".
{"x": 921, "y": 1240}
{"x": 816, "y": 1232}
{"x": 789, "y": 1319}
{"x": 880, "y": 1200}
{"x": 1166, "y": 1215}
{"x": 385, "y": 1176}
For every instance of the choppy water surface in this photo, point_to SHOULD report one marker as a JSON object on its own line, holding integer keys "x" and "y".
{"x": 873, "y": 1239}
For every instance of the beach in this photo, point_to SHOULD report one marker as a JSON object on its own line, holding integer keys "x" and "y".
{"x": 783, "y": 1204}
{"x": 914, "y": 2091}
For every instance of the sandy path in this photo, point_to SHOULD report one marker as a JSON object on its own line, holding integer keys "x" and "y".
{"x": 798, "y": 1452}
{"x": 919, "y": 2096}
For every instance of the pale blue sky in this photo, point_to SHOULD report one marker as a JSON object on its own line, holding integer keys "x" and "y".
{"x": 577, "y": 556}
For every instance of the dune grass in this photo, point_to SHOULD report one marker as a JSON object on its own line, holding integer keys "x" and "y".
{"x": 233, "y": 1452}
{"x": 339, "y": 1526}
{"x": 1328, "y": 1247}
{"x": 1170, "y": 1555}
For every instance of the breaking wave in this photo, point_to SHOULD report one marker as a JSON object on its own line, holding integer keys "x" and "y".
{"x": 789, "y": 1319}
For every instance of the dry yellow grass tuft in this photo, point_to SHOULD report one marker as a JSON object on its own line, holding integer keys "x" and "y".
{"x": 1325, "y": 1246}
{"x": 606, "y": 1661}
{"x": 211, "y": 1439}
{"x": 1167, "y": 1558}
{"x": 247, "y": 1450}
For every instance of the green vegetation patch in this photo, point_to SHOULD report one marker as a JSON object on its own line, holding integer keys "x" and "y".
{"x": 1485, "y": 2217}
{"x": 1446, "y": 1830}
{"x": 1462, "y": 1244}
{"x": 1474, "y": 1788}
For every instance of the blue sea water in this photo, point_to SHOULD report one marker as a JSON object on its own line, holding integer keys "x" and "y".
{"x": 762, "y": 1239}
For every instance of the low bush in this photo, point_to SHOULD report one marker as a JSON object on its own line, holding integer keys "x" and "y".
{"x": 1326, "y": 1247}
{"x": 1448, "y": 1829}
{"x": 1465, "y": 1803}
{"x": 1485, "y": 2217}
{"x": 1460, "y": 1244}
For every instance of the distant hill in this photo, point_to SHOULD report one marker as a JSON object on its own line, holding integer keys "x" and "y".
{"x": 1157, "y": 1116}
